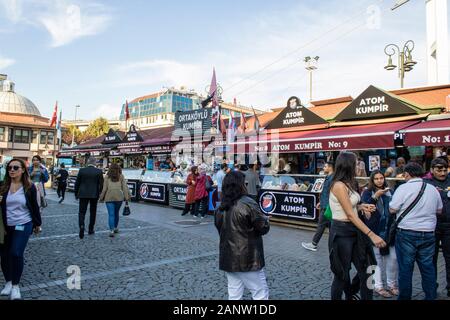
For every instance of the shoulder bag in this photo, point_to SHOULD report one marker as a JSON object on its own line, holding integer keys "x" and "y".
{"x": 393, "y": 229}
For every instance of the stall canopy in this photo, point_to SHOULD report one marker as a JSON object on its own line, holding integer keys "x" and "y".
{"x": 374, "y": 136}
{"x": 434, "y": 133}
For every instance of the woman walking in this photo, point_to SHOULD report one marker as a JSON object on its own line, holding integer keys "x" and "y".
{"x": 241, "y": 226}
{"x": 350, "y": 239}
{"x": 115, "y": 191}
{"x": 39, "y": 176}
{"x": 201, "y": 192}
{"x": 21, "y": 216}
{"x": 379, "y": 222}
{"x": 190, "y": 196}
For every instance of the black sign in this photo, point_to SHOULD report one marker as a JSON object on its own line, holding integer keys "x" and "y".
{"x": 132, "y": 186}
{"x": 71, "y": 183}
{"x": 197, "y": 120}
{"x": 132, "y": 135}
{"x": 153, "y": 192}
{"x": 295, "y": 115}
{"x": 179, "y": 192}
{"x": 158, "y": 149}
{"x": 375, "y": 103}
{"x": 288, "y": 204}
{"x": 112, "y": 137}
{"x": 399, "y": 139}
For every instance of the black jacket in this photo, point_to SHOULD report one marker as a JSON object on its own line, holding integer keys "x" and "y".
{"x": 32, "y": 204}
{"x": 241, "y": 229}
{"x": 89, "y": 183}
{"x": 443, "y": 187}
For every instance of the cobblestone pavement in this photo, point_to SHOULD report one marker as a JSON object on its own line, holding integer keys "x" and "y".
{"x": 156, "y": 257}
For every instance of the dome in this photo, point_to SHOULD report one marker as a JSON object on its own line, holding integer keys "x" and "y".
{"x": 15, "y": 103}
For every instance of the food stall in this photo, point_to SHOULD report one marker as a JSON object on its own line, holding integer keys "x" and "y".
{"x": 154, "y": 186}
{"x": 133, "y": 177}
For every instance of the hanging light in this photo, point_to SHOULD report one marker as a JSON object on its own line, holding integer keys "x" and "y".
{"x": 390, "y": 66}
{"x": 409, "y": 60}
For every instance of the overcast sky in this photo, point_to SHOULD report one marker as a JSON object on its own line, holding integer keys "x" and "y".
{"x": 99, "y": 53}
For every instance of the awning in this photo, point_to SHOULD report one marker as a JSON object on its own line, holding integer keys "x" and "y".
{"x": 434, "y": 133}
{"x": 374, "y": 136}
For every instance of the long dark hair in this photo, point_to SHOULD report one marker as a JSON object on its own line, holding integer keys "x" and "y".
{"x": 345, "y": 170}
{"x": 114, "y": 172}
{"x": 372, "y": 186}
{"x": 26, "y": 182}
{"x": 233, "y": 188}
{"x": 194, "y": 169}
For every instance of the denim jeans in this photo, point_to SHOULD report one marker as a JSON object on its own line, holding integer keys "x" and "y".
{"x": 412, "y": 246}
{"x": 12, "y": 252}
{"x": 113, "y": 213}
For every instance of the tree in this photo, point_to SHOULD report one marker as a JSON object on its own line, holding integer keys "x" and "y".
{"x": 98, "y": 127}
{"x": 67, "y": 135}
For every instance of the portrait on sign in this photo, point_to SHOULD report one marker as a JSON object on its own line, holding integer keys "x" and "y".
{"x": 374, "y": 163}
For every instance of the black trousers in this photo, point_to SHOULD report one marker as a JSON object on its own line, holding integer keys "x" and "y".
{"x": 443, "y": 237}
{"x": 346, "y": 241}
{"x": 321, "y": 226}
{"x": 189, "y": 207}
{"x": 93, "y": 212}
{"x": 204, "y": 203}
{"x": 61, "y": 191}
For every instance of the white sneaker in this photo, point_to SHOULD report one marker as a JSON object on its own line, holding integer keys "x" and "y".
{"x": 15, "y": 293}
{"x": 309, "y": 246}
{"x": 7, "y": 289}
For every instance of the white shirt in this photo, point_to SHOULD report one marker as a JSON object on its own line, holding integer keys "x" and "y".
{"x": 423, "y": 216}
{"x": 219, "y": 178}
{"x": 17, "y": 212}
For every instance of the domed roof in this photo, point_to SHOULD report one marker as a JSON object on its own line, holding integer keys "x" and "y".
{"x": 15, "y": 103}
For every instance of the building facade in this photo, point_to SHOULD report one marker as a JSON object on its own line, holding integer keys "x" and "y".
{"x": 23, "y": 131}
{"x": 158, "y": 109}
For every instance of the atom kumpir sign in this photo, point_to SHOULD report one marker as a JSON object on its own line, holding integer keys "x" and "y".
{"x": 288, "y": 204}
{"x": 295, "y": 115}
{"x": 375, "y": 103}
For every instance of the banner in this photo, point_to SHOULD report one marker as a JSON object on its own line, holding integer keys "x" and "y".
{"x": 288, "y": 204}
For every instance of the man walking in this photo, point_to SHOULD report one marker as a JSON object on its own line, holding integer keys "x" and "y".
{"x": 323, "y": 204}
{"x": 61, "y": 177}
{"x": 415, "y": 239}
{"x": 441, "y": 180}
{"x": 88, "y": 188}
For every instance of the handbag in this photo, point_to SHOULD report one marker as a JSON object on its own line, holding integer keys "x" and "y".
{"x": 328, "y": 214}
{"x": 126, "y": 210}
{"x": 393, "y": 229}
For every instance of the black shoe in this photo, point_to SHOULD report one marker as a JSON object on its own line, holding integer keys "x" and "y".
{"x": 184, "y": 213}
{"x": 91, "y": 232}
{"x": 81, "y": 233}
{"x": 60, "y": 201}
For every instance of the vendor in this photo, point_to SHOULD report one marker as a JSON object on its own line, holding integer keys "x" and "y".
{"x": 168, "y": 164}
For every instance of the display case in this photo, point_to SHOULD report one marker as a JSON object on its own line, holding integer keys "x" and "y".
{"x": 73, "y": 173}
{"x": 291, "y": 196}
{"x": 133, "y": 177}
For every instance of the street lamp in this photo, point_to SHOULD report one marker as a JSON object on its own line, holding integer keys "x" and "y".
{"x": 405, "y": 60}
{"x": 74, "y": 126}
{"x": 311, "y": 65}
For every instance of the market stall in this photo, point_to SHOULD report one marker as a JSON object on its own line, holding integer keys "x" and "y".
{"x": 133, "y": 177}
{"x": 154, "y": 186}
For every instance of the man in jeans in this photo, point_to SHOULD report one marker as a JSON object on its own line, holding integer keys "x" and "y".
{"x": 441, "y": 181}
{"x": 415, "y": 239}
{"x": 323, "y": 223}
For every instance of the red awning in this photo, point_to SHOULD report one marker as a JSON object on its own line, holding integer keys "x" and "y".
{"x": 363, "y": 137}
{"x": 434, "y": 133}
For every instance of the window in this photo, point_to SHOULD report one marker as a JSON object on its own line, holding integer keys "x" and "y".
{"x": 46, "y": 137}
{"x": 21, "y": 136}
{"x": 2, "y": 134}
{"x": 11, "y": 135}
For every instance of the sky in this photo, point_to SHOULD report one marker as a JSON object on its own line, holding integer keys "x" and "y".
{"x": 97, "y": 54}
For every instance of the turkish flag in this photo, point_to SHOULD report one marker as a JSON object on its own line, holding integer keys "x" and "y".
{"x": 55, "y": 115}
{"x": 127, "y": 111}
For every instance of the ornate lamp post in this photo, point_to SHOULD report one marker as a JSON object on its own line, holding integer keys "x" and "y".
{"x": 405, "y": 60}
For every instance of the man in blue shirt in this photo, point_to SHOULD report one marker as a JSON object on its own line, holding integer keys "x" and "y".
{"x": 322, "y": 205}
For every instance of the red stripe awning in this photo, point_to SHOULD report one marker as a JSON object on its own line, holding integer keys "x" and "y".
{"x": 373, "y": 136}
{"x": 434, "y": 133}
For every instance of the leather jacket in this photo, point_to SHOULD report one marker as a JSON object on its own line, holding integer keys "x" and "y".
{"x": 241, "y": 229}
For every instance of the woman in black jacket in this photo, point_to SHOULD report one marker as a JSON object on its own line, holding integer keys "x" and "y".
{"x": 21, "y": 216}
{"x": 241, "y": 226}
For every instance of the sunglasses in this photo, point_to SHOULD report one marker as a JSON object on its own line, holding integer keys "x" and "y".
{"x": 14, "y": 168}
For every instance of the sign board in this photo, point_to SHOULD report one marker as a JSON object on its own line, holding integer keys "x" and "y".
{"x": 153, "y": 192}
{"x": 179, "y": 192}
{"x": 112, "y": 137}
{"x": 132, "y": 135}
{"x": 375, "y": 103}
{"x": 71, "y": 183}
{"x": 132, "y": 186}
{"x": 288, "y": 204}
{"x": 192, "y": 121}
{"x": 295, "y": 115}
{"x": 158, "y": 149}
